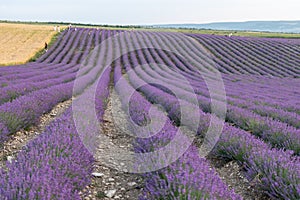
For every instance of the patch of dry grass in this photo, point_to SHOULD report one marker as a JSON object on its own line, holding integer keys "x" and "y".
{"x": 20, "y": 42}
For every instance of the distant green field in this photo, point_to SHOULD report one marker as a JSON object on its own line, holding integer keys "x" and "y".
{"x": 204, "y": 31}
{"x": 238, "y": 33}
{"x": 200, "y": 31}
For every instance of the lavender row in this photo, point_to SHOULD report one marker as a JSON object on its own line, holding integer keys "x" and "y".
{"x": 68, "y": 69}
{"x": 278, "y": 134}
{"x": 9, "y": 93}
{"x": 223, "y": 53}
{"x": 249, "y": 151}
{"x": 291, "y": 106}
{"x": 12, "y": 92}
{"x": 253, "y": 92}
{"x": 271, "y": 165}
{"x": 290, "y": 103}
{"x": 237, "y": 89}
{"x": 263, "y": 110}
{"x": 68, "y": 48}
{"x": 26, "y": 110}
{"x": 270, "y": 86}
{"x": 56, "y": 165}
{"x": 190, "y": 177}
{"x": 56, "y": 47}
{"x": 53, "y": 166}
{"x": 278, "y": 44}
{"x": 285, "y": 116}
{"x": 290, "y": 118}
{"x": 237, "y": 67}
{"x": 258, "y": 52}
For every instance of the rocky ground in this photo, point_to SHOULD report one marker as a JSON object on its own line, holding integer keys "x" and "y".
{"x": 232, "y": 174}
{"x": 112, "y": 178}
{"x": 22, "y": 137}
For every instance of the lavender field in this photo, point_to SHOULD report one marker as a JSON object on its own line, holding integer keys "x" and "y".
{"x": 165, "y": 81}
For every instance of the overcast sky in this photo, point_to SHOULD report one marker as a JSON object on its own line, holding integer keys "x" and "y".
{"x": 149, "y": 11}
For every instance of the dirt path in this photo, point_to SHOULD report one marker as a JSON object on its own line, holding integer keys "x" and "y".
{"x": 232, "y": 174}
{"x": 118, "y": 184}
{"x": 111, "y": 178}
{"x": 18, "y": 140}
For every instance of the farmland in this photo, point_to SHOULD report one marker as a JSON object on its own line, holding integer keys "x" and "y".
{"x": 20, "y": 42}
{"x": 239, "y": 96}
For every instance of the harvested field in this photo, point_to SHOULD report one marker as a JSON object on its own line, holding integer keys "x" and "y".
{"x": 20, "y": 42}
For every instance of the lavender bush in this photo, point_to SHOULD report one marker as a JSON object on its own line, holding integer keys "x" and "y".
{"x": 190, "y": 177}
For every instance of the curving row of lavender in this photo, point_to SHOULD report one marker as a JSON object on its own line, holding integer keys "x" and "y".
{"x": 261, "y": 131}
{"x": 277, "y": 133}
{"x": 190, "y": 177}
{"x": 250, "y": 90}
{"x": 57, "y": 165}
{"x": 234, "y": 97}
{"x": 240, "y": 55}
{"x": 26, "y": 96}
{"x": 271, "y": 165}
{"x": 51, "y": 145}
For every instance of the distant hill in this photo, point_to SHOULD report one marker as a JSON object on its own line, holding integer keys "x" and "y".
{"x": 269, "y": 26}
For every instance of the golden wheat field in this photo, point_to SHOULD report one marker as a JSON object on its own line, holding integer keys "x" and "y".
{"x": 20, "y": 42}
